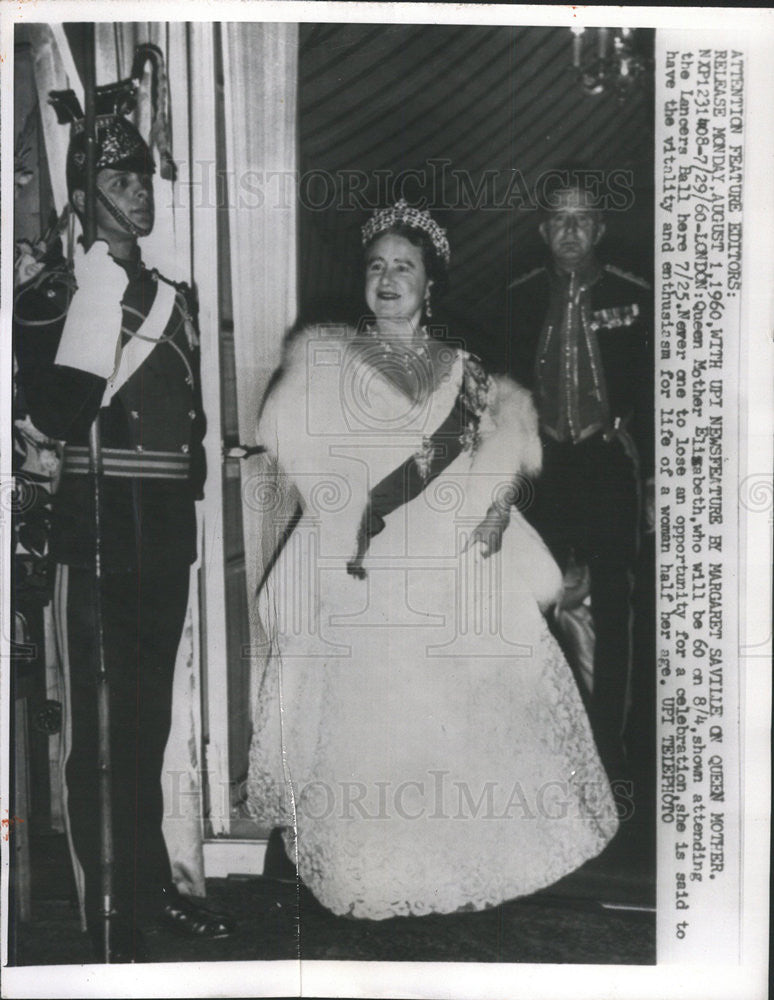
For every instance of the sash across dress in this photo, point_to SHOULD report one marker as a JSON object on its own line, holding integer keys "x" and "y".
{"x": 417, "y": 731}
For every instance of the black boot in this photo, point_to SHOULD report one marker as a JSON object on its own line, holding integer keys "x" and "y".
{"x": 184, "y": 915}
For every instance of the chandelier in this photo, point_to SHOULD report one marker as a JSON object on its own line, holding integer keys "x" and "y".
{"x": 606, "y": 60}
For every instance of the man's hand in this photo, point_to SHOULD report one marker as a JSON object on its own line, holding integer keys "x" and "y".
{"x": 98, "y": 275}
{"x": 576, "y": 585}
{"x": 92, "y": 330}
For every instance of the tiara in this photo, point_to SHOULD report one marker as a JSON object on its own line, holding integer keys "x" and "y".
{"x": 407, "y": 215}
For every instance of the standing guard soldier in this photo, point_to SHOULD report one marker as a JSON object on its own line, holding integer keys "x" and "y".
{"x": 580, "y": 338}
{"x": 115, "y": 341}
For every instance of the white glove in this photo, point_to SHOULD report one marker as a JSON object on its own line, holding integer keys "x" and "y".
{"x": 93, "y": 326}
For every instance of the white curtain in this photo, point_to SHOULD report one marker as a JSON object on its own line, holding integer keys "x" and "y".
{"x": 260, "y": 63}
{"x": 50, "y": 74}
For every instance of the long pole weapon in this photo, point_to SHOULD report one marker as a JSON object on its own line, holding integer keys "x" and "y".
{"x": 96, "y": 471}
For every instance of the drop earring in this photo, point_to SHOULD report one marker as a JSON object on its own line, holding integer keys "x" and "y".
{"x": 428, "y": 309}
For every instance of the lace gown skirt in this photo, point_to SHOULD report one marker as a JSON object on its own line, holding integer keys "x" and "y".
{"x": 419, "y": 732}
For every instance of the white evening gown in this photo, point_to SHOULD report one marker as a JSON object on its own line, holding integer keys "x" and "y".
{"x": 418, "y": 731}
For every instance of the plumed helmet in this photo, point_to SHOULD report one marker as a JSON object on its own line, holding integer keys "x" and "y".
{"x": 119, "y": 145}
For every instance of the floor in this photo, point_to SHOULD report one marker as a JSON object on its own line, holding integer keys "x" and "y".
{"x": 567, "y": 923}
{"x": 604, "y": 913}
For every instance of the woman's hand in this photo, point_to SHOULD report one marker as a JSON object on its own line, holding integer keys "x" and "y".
{"x": 489, "y": 533}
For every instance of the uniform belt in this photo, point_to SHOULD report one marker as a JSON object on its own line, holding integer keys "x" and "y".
{"x": 129, "y": 463}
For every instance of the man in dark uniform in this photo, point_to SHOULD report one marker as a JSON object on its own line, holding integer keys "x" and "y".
{"x": 117, "y": 342}
{"x": 581, "y": 340}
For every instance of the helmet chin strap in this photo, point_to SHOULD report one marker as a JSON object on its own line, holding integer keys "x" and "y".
{"x": 123, "y": 220}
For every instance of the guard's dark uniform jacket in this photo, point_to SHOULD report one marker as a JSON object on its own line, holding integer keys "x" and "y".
{"x": 582, "y": 343}
{"x": 148, "y": 505}
{"x": 617, "y": 307}
{"x": 153, "y": 462}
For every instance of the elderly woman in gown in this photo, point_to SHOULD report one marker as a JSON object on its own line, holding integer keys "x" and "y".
{"x": 418, "y": 733}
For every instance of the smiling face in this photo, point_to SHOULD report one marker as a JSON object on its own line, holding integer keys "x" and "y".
{"x": 572, "y": 230}
{"x": 396, "y": 281}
